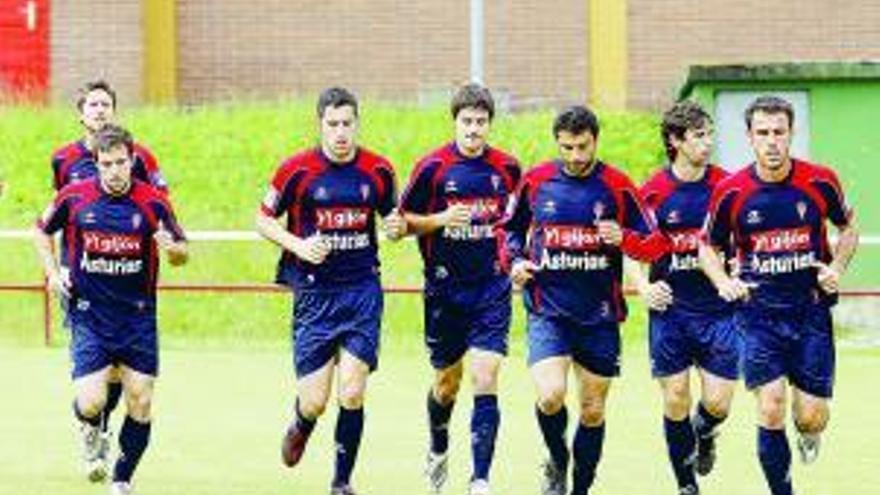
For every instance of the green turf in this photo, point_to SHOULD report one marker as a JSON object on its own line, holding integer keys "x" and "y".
{"x": 219, "y": 415}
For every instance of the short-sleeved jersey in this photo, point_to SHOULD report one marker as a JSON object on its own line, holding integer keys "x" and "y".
{"x": 553, "y": 223}
{"x": 75, "y": 162}
{"x": 111, "y": 253}
{"x": 485, "y": 184}
{"x": 778, "y": 230}
{"x": 339, "y": 201}
{"x": 680, "y": 208}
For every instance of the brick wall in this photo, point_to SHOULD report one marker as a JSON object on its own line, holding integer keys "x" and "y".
{"x": 96, "y": 38}
{"x": 665, "y": 37}
{"x": 404, "y": 49}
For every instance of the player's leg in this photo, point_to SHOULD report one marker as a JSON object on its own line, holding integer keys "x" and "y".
{"x": 720, "y": 349}
{"x": 812, "y": 378}
{"x": 314, "y": 358}
{"x": 681, "y": 442}
{"x": 486, "y": 416}
{"x": 91, "y": 369}
{"x": 440, "y": 403}
{"x": 590, "y": 435}
{"x": 114, "y": 393}
{"x": 773, "y": 450}
{"x": 446, "y": 343}
{"x": 487, "y": 341}
{"x": 91, "y": 394}
{"x": 550, "y": 377}
{"x": 671, "y": 359}
{"x": 134, "y": 435}
{"x": 711, "y": 411}
{"x": 811, "y": 415}
{"x": 352, "y": 386}
{"x": 549, "y": 363}
{"x": 312, "y": 393}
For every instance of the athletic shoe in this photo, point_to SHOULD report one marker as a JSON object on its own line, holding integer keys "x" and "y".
{"x": 437, "y": 471}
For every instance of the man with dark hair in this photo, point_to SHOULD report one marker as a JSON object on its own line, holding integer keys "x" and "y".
{"x": 565, "y": 235}
{"x": 774, "y": 212}
{"x": 690, "y": 325}
{"x": 114, "y": 226}
{"x": 331, "y": 195}
{"x": 456, "y": 194}
{"x": 74, "y": 162}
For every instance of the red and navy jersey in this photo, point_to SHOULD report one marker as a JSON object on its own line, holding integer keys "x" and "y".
{"x": 553, "y": 223}
{"x": 339, "y": 201}
{"x": 778, "y": 230}
{"x": 75, "y": 162}
{"x": 680, "y": 208}
{"x": 111, "y": 253}
{"x": 485, "y": 184}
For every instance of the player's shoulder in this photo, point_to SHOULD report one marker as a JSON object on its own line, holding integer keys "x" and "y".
{"x": 541, "y": 172}
{"x": 79, "y": 190}
{"x": 810, "y": 170}
{"x": 141, "y": 151}
{"x": 715, "y": 174}
{"x": 144, "y": 192}
{"x": 371, "y": 160}
{"x": 302, "y": 161}
{"x": 69, "y": 152}
{"x": 736, "y": 181}
{"x": 500, "y": 158}
{"x": 659, "y": 179}
{"x": 614, "y": 176}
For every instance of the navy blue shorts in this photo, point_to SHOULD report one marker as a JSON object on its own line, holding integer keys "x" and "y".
{"x": 678, "y": 341}
{"x": 595, "y": 347}
{"x": 797, "y": 344}
{"x": 460, "y": 317}
{"x": 94, "y": 347}
{"x": 325, "y": 321}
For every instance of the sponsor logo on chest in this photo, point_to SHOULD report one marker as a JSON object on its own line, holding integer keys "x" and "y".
{"x": 98, "y": 242}
{"x": 342, "y": 218}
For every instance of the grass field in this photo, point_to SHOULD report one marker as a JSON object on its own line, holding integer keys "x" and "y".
{"x": 219, "y": 415}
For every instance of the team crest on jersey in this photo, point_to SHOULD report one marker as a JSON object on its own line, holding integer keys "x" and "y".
{"x": 801, "y": 209}
{"x": 321, "y": 193}
{"x": 136, "y": 220}
{"x": 599, "y": 210}
{"x": 673, "y": 217}
{"x": 365, "y": 192}
{"x": 496, "y": 182}
{"x": 451, "y": 186}
{"x": 753, "y": 217}
{"x": 550, "y": 207}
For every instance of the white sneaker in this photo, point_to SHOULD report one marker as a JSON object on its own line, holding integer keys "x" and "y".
{"x": 95, "y": 450}
{"x": 437, "y": 471}
{"x": 808, "y": 447}
{"x": 479, "y": 487}
{"x": 121, "y": 488}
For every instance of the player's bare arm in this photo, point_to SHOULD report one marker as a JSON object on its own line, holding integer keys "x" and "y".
{"x": 729, "y": 288}
{"x": 829, "y": 275}
{"x": 457, "y": 215}
{"x": 313, "y": 249}
{"x": 56, "y": 279}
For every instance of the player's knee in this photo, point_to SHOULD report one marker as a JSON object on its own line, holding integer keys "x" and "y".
{"x": 90, "y": 404}
{"x": 140, "y": 406}
{"x": 772, "y": 414}
{"x": 312, "y": 407}
{"x": 812, "y": 420}
{"x": 484, "y": 381}
{"x": 677, "y": 401}
{"x": 717, "y": 405}
{"x": 592, "y": 413}
{"x": 351, "y": 395}
{"x": 551, "y": 400}
{"x": 446, "y": 387}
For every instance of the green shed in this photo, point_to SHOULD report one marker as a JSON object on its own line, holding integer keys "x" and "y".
{"x": 837, "y": 123}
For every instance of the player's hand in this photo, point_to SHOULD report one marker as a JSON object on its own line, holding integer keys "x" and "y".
{"x": 312, "y": 249}
{"x": 610, "y": 232}
{"x": 828, "y": 278}
{"x": 522, "y": 272}
{"x": 163, "y": 239}
{"x": 457, "y": 215}
{"x": 58, "y": 281}
{"x": 395, "y": 225}
{"x": 657, "y": 295}
{"x": 734, "y": 289}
